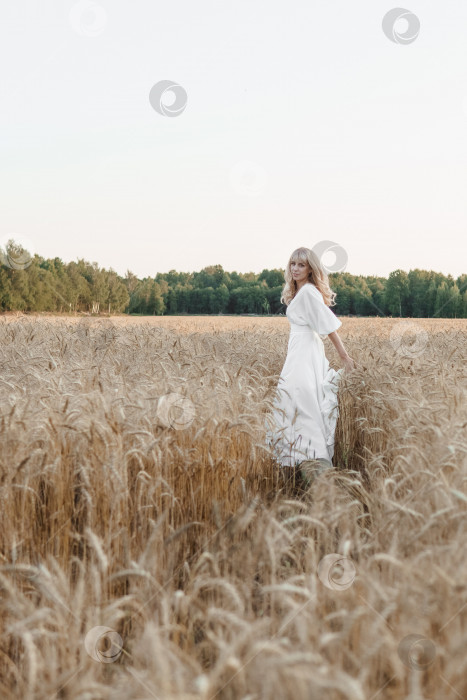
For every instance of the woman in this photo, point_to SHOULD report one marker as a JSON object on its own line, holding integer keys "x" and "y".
{"x": 305, "y": 408}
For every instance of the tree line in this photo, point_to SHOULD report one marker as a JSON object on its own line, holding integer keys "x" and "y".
{"x": 33, "y": 283}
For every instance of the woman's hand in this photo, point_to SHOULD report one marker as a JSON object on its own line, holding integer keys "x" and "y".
{"x": 349, "y": 363}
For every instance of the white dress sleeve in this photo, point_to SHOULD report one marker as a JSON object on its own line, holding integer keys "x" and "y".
{"x": 317, "y": 314}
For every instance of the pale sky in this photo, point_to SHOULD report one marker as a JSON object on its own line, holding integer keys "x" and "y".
{"x": 350, "y": 137}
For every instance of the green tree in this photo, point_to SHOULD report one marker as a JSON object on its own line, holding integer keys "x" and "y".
{"x": 212, "y": 276}
{"x": 362, "y": 297}
{"x": 221, "y": 299}
{"x": 397, "y": 292}
{"x": 273, "y": 278}
{"x": 377, "y": 286}
{"x": 447, "y": 300}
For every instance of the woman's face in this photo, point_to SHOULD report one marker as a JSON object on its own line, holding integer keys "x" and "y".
{"x": 300, "y": 271}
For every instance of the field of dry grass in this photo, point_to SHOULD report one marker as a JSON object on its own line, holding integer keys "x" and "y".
{"x": 149, "y": 548}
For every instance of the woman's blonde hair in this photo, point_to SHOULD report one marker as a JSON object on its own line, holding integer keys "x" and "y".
{"x": 316, "y": 275}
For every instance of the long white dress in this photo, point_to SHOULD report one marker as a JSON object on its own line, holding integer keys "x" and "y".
{"x": 303, "y": 421}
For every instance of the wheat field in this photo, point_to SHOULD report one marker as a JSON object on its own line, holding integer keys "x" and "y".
{"x": 151, "y": 548}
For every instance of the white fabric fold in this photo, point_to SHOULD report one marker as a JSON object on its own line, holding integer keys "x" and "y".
{"x": 329, "y": 406}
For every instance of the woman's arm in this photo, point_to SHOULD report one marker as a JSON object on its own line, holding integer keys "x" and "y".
{"x": 348, "y": 362}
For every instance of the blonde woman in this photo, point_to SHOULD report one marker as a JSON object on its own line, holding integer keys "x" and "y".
{"x": 304, "y": 418}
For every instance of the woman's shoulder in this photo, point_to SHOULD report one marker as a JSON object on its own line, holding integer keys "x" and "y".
{"x": 312, "y": 289}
